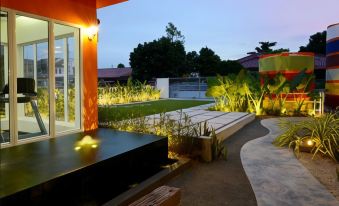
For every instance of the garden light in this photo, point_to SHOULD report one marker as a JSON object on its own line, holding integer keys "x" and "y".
{"x": 309, "y": 143}
{"x": 86, "y": 141}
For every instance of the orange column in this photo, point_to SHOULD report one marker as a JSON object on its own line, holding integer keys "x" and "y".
{"x": 90, "y": 83}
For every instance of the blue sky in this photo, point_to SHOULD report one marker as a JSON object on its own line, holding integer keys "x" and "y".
{"x": 230, "y": 27}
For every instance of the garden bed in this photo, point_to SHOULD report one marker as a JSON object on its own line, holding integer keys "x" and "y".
{"x": 324, "y": 169}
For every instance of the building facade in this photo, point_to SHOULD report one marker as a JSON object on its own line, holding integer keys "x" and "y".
{"x": 48, "y": 68}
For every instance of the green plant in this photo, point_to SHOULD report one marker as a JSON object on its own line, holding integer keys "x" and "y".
{"x": 255, "y": 92}
{"x": 181, "y": 133}
{"x": 229, "y": 92}
{"x": 323, "y": 131}
{"x": 219, "y": 150}
{"x": 131, "y": 92}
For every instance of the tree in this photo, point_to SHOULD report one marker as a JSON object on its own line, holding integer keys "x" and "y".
{"x": 208, "y": 62}
{"x": 316, "y": 43}
{"x": 164, "y": 57}
{"x": 121, "y": 65}
{"x": 159, "y": 58}
{"x": 265, "y": 48}
{"x": 174, "y": 34}
{"x": 229, "y": 67}
{"x": 191, "y": 65}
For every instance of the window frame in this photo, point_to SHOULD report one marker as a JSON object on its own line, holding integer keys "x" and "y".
{"x": 12, "y": 63}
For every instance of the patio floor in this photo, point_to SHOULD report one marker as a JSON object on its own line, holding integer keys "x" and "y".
{"x": 58, "y": 172}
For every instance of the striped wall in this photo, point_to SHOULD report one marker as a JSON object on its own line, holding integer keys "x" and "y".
{"x": 332, "y": 66}
{"x": 288, "y": 64}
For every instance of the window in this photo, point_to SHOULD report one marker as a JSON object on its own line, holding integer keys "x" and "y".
{"x": 33, "y": 105}
{"x": 4, "y": 106}
{"x": 33, "y": 73}
{"x": 67, "y": 90}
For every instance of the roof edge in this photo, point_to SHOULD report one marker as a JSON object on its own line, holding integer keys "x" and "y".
{"x": 103, "y": 3}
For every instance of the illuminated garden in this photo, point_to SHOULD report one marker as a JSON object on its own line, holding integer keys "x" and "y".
{"x": 119, "y": 102}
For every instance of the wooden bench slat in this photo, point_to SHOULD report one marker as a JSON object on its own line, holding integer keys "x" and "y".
{"x": 162, "y": 196}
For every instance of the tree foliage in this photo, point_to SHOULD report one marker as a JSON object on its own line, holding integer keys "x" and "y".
{"x": 192, "y": 62}
{"x": 159, "y": 58}
{"x": 208, "y": 62}
{"x": 265, "y": 48}
{"x": 121, "y": 65}
{"x": 316, "y": 43}
{"x": 166, "y": 57}
{"x": 174, "y": 34}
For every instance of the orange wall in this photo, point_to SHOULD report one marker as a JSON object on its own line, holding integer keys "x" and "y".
{"x": 83, "y": 13}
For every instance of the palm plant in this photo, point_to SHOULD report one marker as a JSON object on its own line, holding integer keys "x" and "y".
{"x": 301, "y": 85}
{"x": 229, "y": 92}
{"x": 255, "y": 93}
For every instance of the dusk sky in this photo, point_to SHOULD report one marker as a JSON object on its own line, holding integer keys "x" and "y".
{"x": 229, "y": 27}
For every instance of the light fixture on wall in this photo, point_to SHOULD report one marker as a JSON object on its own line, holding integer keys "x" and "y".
{"x": 92, "y": 31}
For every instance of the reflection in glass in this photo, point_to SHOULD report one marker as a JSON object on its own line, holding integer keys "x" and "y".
{"x": 33, "y": 77}
{"x": 4, "y": 97}
{"x": 67, "y": 78}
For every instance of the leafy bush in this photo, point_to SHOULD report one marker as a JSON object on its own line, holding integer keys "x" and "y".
{"x": 131, "y": 92}
{"x": 323, "y": 132}
{"x": 181, "y": 133}
{"x": 228, "y": 92}
{"x": 246, "y": 93}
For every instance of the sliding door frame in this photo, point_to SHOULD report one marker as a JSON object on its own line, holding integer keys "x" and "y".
{"x": 12, "y": 68}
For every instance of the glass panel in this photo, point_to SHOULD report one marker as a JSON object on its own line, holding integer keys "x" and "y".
{"x": 67, "y": 78}
{"x": 32, "y": 69}
{"x": 28, "y": 72}
{"x": 4, "y": 98}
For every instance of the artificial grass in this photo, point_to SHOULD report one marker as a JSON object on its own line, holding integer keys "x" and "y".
{"x": 121, "y": 112}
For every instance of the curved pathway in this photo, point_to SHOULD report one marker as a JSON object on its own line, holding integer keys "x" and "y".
{"x": 277, "y": 177}
{"x": 221, "y": 182}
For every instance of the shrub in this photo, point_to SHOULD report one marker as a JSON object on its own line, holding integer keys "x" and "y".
{"x": 131, "y": 92}
{"x": 181, "y": 133}
{"x": 245, "y": 92}
{"x": 323, "y": 131}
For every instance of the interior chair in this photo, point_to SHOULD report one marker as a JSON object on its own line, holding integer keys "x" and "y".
{"x": 26, "y": 87}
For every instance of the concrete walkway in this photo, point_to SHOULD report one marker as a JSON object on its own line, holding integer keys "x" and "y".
{"x": 277, "y": 177}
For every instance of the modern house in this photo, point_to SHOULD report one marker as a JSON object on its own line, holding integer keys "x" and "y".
{"x": 112, "y": 75}
{"x": 55, "y": 44}
{"x": 48, "y": 98}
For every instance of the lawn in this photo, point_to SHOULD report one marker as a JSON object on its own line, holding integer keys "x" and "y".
{"x": 120, "y": 112}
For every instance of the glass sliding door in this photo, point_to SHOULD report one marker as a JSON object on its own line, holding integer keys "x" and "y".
{"x": 25, "y": 63}
{"x": 4, "y": 89}
{"x": 32, "y": 77}
{"x": 67, "y": 78}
